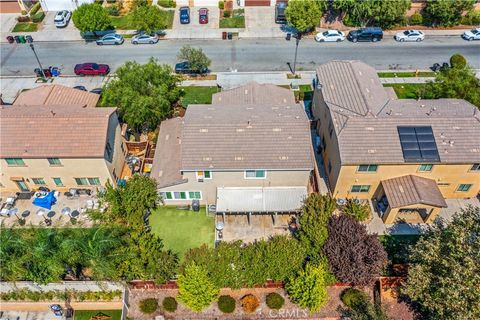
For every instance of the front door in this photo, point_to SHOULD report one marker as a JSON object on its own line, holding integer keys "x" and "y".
{"x": 22, "y": 186}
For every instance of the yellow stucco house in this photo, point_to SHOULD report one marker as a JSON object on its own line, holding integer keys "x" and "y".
{"x": 405, "y": 155}
{"x": 53, "y": 136}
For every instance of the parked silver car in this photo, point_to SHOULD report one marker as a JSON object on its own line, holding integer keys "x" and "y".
{"x": 111, "y": 38}
{"x": 62, "y": 18}
{"x": 145, "y": 38}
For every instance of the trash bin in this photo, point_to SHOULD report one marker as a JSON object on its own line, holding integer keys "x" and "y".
{"x": 224, "y": 35}
{"x": 29, "y": 39}
{"x": 289, "y": 36}
{"x": 10, "y": 39}
{"x": 55, "y": 72}
{"x": 47, "y": 73}
{"x": 196, "y": 205}
{"x": 17, "y": 39}
{"x": 230, "y": 35}
{"x": 21, "y": 39}
{"x": 38, "y": 72}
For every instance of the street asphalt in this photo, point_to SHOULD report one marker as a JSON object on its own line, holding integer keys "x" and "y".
{"x": 242, "y": 55}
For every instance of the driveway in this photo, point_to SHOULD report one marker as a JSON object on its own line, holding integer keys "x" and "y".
{"x": 260, "y": 23}
{"x": 7, "y": 22}
{"x": 213, "y": 20}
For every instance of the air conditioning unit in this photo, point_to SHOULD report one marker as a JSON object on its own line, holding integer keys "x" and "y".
{"x": 341, "y": 202}
{"x": 199, "y": 179}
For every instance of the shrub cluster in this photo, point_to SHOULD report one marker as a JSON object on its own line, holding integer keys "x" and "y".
{"x": 250, "y": 303}
{"x": 38, "y": 17}
{"x": 148, "y": 306}
{"x": 226, "y": 304}
{"x": 35, "y": 8}
{"x": 170, "y": 304}
{"x": 458, "y": 61}
{"x": 352, "y": 297}
{"x": 416, "y": 19}
{"x": 28, "y": 295}
{"x": 167, "y": 3}
{"x": 275, "y": 301}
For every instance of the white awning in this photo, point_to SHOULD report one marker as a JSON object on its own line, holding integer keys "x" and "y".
{"x": 258, "y": 199}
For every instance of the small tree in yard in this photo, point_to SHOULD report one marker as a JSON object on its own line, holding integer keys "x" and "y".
{"x": 143, "y": 93}
{"x": 169, "y": 304}
{"x": 195, "y": 289}
{"x": 309, "y": 288}
{"x": 356, "y": 210}
{"x": 458, "y": 61}
{"x": 197, "y": 60}
{"x": 149, "y": 18}
{"x": 226, "y": 304}
{"x": 303, "y": 15}
{"x": 274, "y": 301}
{"x": 149, "y": 305}
{"x": 91, "y": 17}
{"x": 444, "y": 275}
{"x": 447, "y": 12}
{"x": 354, "y": 256}
{"x": 316, "y": 211}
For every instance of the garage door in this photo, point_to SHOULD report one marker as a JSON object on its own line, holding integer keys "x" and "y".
{"x": 257, "y": 3}
{"x": 9, "y": 7}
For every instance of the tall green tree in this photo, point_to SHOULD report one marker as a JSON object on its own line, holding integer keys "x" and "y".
{"x": 446, "y": 12}
{"x": 128, "y": 204}
{"x": 195, "y": 289}
{"x": 197, "y": 59}
{"x": 445, "y": 272}
{"x": 456, "y": 82}
{"x": 309, "y": 288}
{"x": 316, "y": 211}
{"x": 91, "y": 17}
{"x": 13, "y": 254}
{"x": 380, "y": 13}
{"x": 144, "y": 94}
{"x": 149, "y": 18}
{"x": 303, "y": 15}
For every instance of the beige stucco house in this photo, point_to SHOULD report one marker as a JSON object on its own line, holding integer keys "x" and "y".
{"x": 405, "y": 155}
{"x": 248, "y": 152}
{"x": 57, "y": 144}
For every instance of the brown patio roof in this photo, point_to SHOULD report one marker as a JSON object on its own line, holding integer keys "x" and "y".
{"x": 409, "y": 190}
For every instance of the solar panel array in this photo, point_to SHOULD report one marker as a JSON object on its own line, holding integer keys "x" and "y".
{"x": 418, "y": 144}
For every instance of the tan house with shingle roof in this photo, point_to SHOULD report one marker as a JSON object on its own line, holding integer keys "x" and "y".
{"x": 375, "y": 146}
{"x": 58, "y": 146}
{"x": 243, "y": 153}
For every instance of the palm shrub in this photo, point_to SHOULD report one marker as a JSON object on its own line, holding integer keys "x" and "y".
{"x": 250, "y": 303}
{"x": 226, "y": 304}
{"x": 148, "y": 305}
{"x": 169, "y": 304}
{"x": 275, "y": 301}
{"x": 458, "y": 61}
{"x": 356, "y": 210}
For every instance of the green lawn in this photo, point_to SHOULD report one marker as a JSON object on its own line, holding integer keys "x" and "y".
{"x": 198, "y": 95}
{"x": 25, "y": 27}
{"x": 181, "y": 230}
{"x": 87, "y": 314}
{"x": 406, "y": 74}
{"x": 125, "y": 22}
{"x": 406, "y": 90}
{"x": 236, "y": 21}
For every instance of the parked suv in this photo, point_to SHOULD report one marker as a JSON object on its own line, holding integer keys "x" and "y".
{"x": 184, "y": 68}
{"x": 366, "y": 34}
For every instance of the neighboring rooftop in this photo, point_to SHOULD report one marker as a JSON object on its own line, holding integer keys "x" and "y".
{"x": 410, "y": 190}
{"x": 255, "y": 93}
{"x": 455, "y": 123}
{"x": 56, "y": 95}
{"x": 40, "y": 131}
{"x": 166, "y": 166}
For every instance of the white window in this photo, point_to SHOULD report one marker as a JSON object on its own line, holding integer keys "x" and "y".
{"x": 181, "y": 195}
{"x": 255, "y": 174}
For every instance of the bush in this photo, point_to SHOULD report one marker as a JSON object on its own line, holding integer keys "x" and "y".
{"x": 23, "y": 12}
{"x": 416, "y": 19}
{"x": 458, "y": 61}
{"x": 169, "y": 304}
{"x": 113, "y": 11}
{"x": 250, "y": 303}
{"x": 149, "y": 305}
{"x": 226, "y": 14}
{"x": 226, "y": 304}
{"x": 471, "y": 18}
{"x": 221, "y": 5}
{"x": 353, "y": 298}
{"x": 356, "y": 210}
{"x": 38, "y": 17}
{"x": 35, "y": 8}
{"x": 275, "y": 301}
{"x": 167, "y": 3}
{"x": 23, "y": 19}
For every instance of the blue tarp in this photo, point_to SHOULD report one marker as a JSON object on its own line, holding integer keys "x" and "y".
{"x": 45, "y": 202}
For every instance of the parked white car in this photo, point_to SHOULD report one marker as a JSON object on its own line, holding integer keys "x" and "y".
{"x": 471, "y": 35}
{"x": 410, "y": 35}
{"x": 62, "y": 18}
{"x": 330, "y": 36}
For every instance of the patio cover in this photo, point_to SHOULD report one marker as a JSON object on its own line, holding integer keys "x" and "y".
{"x": 410, "y": 189}
{"x": 45, "y": 202}
{"x": 258, "y": 199}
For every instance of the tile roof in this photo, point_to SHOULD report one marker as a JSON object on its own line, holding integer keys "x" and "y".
{"x": 455, "y": 122}
{"x": 166, "y": 164}
{"x": 56, "y": 95}
{"x": 255, "y": 93}
{"x": 409, "y": 190}
{"x": 53, "y": 131}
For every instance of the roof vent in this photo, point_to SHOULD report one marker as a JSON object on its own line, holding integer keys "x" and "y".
{"x": 219, "y": 98}
{"x": 167, "y": 137}
{"x": 475, "y": 150}
{"x": 371, "y": 151}
{"x": 246, "y": 91}
{"x": 277, "y": 129}
{"x": 422, "y": 106}
{"x": 284, "y": 100}
{"x": 456, "y": 128}
{"x": 442, "y": 135}
{"x": 370, "y": 128}
{"x": 431, "y": 111}
{"x": 239, "y": 158}
{"x": 283, "y": 158}
{"x": 390, "y": 112}
{"x": 203, "y": 130}
{"x": 160, "y": 173}
{"x": 207, "y": 159}
{"x": 401, "y": 189}
{"x": 451, "y": 142}
{"x": 240, "y": 130}
{"x": 210, "y": 108}
{"x": 274, "y": 108}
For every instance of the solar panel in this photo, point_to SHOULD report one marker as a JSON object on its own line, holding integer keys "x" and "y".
{"x": 418, "y": 144}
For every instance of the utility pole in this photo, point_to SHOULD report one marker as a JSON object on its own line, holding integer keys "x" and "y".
{"x": 297, "y": 37}
{"x": 38, "y": 60}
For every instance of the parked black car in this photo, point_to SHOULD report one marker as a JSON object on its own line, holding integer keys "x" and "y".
{"x": 95, "y": 35}
{"x": 373, "y": 34}
{"x": 183, "y": 68}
